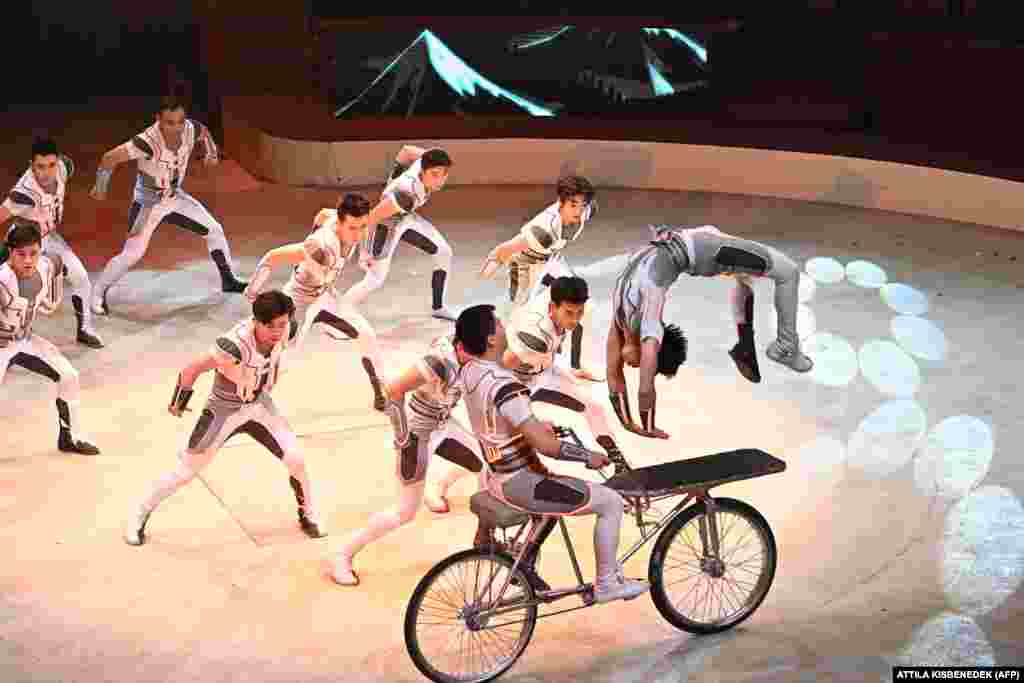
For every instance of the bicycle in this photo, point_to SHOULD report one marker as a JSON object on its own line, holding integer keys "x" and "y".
{"x": 483, "y": 595}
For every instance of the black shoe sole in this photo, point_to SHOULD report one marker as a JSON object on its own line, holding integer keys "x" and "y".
{"x": 746, "y": 363}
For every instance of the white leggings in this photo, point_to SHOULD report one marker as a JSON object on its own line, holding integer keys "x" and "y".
{"x": 217, "y": 423}
{"x": 417, "y": 231}
{"x": 182, "y": 210}
{"x": 81, "y": 287}
{"x": 410, "y": 495}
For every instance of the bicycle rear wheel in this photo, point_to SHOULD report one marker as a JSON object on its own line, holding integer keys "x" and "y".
{"x": 699, "y": 593}
{"x": 445, "y": 634}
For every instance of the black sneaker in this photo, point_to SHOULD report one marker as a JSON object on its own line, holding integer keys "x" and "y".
{"x": 745, "y": 358}
{"x": 68, "y": 444}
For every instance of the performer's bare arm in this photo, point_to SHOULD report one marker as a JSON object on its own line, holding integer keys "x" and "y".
{"x": 541, "y": 436}
{"x": 115, "y": 157}
{"x": 614, "y": 363}
{"x": 385, "y": 209}
{"x": 617, "y": 391}
{"x": 5, "y": 215}
{"x": 410, "y": 380}
{"x": 187, "y": 377}
{"x": 510, "y": 360}
{"x": 409, "y": 154}
{"x": 506, "y": 250}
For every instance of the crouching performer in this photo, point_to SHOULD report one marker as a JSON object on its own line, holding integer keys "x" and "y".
{"x": 422, "y": 429}
{"x": 246, "y": 361}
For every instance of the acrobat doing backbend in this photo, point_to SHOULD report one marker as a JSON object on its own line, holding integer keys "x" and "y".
{"x": 639, "y": 337}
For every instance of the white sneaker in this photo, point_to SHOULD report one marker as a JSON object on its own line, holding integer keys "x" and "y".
{"x": 342, "y": 572}
{"x": 791, "y": 358}
{"x": 618, "y": 587}
{"x": 135, "y": 531}
{"x": 443, "y": 313}
{"x": 99, "y": 303}
{"x": 435, "y": 501}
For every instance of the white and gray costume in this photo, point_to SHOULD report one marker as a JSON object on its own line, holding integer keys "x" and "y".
{"x": 638, "y": 299}
{"x": 547, "y": 237}
{"x": 535, "y": 339}
{"x": 20, "y": 301}
{"x": 239, "y": 403}
{"x": 422, "y": 429}
{"x": 408, "y": 193}
{"x": 29, "y": 203}
{"x": 432, "y": 429}
{"x": 158, "y": 198}
{"x": 312, "y": 289}
{"x": 530, "y": 272}
{"x": 498, "y": 404}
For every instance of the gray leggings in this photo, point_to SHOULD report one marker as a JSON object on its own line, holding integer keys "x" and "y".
{"x": 717, "y": 253}
{"x": 549, "y": 494}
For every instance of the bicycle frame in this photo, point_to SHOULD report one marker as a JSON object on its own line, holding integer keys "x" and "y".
{"x": 709, "y": 541}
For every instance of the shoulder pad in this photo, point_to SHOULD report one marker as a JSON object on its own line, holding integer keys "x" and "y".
{"x": 143, "y": 146}
{"x": 544, "y": 236}
{"x": 229, "y": 347}
{"x": 21, "y": 198}
{"x": 509, "y": 390}
{"x": 532, "y": 342}
{"x": 69, "y": 165}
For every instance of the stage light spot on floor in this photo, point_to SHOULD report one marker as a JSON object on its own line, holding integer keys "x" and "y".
{"x": 889, "y": 368}
{"x": 948, "y": 639}
{"x": 835, "y": 361}
{"x": 919, "y": 336}
{"x": 983, "y": 550}
{"x": 886, "y": 439}
{"x": 825, "y": 270}
{"x": 904, "y": 299}
{"x": 865, "y": 274}
{"x": 956, "y": 456}
{"x": 822, "y": 456}
{"x": 806, "y": 289}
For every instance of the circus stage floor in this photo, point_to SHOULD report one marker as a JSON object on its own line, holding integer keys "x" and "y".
{"x": 899, "y": 519}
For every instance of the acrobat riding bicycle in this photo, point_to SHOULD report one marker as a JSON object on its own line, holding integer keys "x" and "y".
{"x": 473, "y": 614}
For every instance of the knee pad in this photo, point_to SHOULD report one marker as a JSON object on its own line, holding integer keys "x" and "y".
{"x": 67, "y": 385}
{"x": 295, "y": 463}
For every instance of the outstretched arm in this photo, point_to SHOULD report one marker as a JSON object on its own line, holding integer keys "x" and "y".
{"x": 647, "y": 396}
{"x": 136, "y": 148}
{"x": 203, "y": 135}
{"x": 186, "y": 378}
{"x": 408, "y": 154}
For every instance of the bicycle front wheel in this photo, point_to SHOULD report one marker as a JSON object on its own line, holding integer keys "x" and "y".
{"x": 700, "y": 593}
{"x": 448, "y": 632}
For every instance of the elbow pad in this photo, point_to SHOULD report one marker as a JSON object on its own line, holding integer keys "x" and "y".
{"x": 396, "y": 413}
{"x": 103, "y": 180}
{"x": 181, "y": 396}
{"x": 258, "y": 280}
{"x": 573, "y": 453}
{"x": 620, "y": 404}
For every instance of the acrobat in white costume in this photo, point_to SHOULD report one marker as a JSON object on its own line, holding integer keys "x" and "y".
{"x": 535, "y": 256}
{"x": 38, "y": 199}
{"x": 417, "y": 174}
{"x": 422, "y": 429}
{"x": 319, "y": 260}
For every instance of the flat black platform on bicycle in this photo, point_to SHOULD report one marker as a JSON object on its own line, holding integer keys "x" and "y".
{"x": 702, "y": 472}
